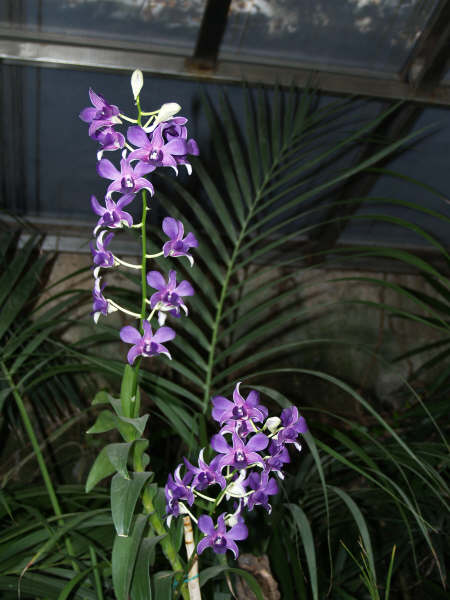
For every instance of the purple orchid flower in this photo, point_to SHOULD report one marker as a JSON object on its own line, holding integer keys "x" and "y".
{"x": 177, "y": 246}
{"x": 240, "y": 455}
{"x": 240, "y": 409}
{"x": 146, "y": 344}
{"x": 205, "y": 475}
{"x": 174, "y": 128}
{"x": 127, "y": 180}
{"x": 100, "y": 110}
{"x": 112, "y": 215}
{"x": 293, "y": 425}
{"x": 107, "y": 137}
{"x": 242, "y": 428}
{"x": 176, "y": 490}
{"x": 169, "y": 298}
{"x": 103, "y": 258}
{"x": 278, "y": 456}
{"x": 263, "y": 488}
{"x": 218, "y": 537}
{"x": 100, "y": 306}
{"x": 154, "y": 151}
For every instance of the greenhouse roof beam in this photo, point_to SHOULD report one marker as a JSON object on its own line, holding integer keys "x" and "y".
{"x": 428, "y": 61}
{"x": 209, "y": 39}
{"x": 61, "y": 51}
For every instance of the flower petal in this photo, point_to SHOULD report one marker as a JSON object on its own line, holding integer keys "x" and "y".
{"x": 206, "y": 525}
{"x": 106, "y": 169}
{"x": 137, "y": 136}
{"x": 238, "y": 532}
{"x": 191, "y": 240}
{"x": 96, "y": 207}
{"x": 177, "y": 146}
{"x": 97, "y": 99}
{"x": 219, "y": 444}
{"x": 164, "y": 334}
{"x": 124, "y": 200}
{"x": 143, "y": 168}
{"x": 230, "y": 545}
{"x": 130, "y": 335}
{"x": 156, "y": 280}
{"x": 133, "y": 353}
{"x": 172, "y": 227}
{"x": 87, "y": 114}
{"x": 184, "y": 289}
{"x": 203, "y": 544}
{"x": 257, "y": 442}
{"x": 147, "y": 330}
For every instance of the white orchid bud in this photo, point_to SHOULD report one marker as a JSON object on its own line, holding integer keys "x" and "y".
{"x": 166, "y": 112}
{"x": 137, "y": 82}
{"x": 272, "y": 424}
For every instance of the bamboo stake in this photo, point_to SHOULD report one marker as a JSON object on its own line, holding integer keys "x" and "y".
{"x": 193, "y": 580}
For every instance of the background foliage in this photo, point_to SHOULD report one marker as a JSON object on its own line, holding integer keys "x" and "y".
{"x": 371, "y": 477}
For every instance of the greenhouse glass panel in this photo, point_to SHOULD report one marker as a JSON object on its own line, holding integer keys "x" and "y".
{"x": 155, "y": 22}
{"x": 368, "y": 34}
{"x": 425, "y": 160}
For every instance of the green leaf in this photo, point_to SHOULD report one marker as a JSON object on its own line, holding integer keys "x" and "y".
{"x": 162, "y": 583}
{"x": 304, "y": 528}
{"x": 124, "y": 557}
{"x": 101, "y": 468}
{"x": 361, "y": 523}
{"x": 118, "y": 455}
{"x": 73, "y": 583}
{"x": 101, "y": 397}
{"x": 124, "y": 496}
{"x": 140, "y": 586}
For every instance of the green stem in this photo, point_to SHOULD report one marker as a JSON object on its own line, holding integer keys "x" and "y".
{"x": 40, "y": 460}
{"x": 230, "y": 269}
{"x": 143, "y": 267}
{"x": 156, "y": 522}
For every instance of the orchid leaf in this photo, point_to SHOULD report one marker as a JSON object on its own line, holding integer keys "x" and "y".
{"x": 124, "y": 496}
{"x": 124, "y": 558}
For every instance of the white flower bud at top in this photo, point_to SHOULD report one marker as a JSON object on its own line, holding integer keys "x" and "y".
{"x": 272, "y": 424}
{"x": 166, "y": 112}
{"x": 137, "y": 82}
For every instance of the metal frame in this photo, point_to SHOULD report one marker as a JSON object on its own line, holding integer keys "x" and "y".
{"x": 52, "y": 50}
{"x": 417, "y": 82}
{"x": 424, "y": 69}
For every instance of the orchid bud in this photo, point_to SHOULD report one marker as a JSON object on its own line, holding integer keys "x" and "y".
{"x": 137, "y": 82}
{"x": 166, "y": 112}
{"x": 272, "y": 424}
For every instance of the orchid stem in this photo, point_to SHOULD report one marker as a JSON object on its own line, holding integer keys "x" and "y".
{"x": 156, "y": 522}
{"x": 126, "y": 264}
{"x": 203, "y": 496}
{"x": 125, "y": 118}
{"x": 150, "y": 316}
{"x": 122, "y": 309}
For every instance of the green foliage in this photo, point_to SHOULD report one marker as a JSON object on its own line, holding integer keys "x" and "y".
{"x": 34, "y": 563}
{"x": 379, "y": 477}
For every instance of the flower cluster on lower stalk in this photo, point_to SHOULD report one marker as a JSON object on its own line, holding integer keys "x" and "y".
{"x": 161, "y": 142}
{"x": 251, "y": 450}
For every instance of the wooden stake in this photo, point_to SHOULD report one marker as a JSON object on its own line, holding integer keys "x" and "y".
{"x": 193, "y": 580}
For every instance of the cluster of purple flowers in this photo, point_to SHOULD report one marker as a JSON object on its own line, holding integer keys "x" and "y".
{"x": 243, "y": 468}
{"x": 164, "y": 143}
